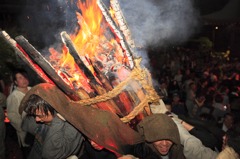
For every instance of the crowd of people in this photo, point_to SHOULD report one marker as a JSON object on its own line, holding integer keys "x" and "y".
{"x": 198, "y": 118}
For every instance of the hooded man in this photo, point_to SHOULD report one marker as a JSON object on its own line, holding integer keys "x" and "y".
{"x": 162, "y": 136}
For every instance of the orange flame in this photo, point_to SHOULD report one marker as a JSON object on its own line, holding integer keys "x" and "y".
{"x": 92, "y": 41}
{"x": 88, "y": 38}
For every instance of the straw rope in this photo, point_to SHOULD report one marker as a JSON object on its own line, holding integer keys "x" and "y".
{"x": 137, "y": 74}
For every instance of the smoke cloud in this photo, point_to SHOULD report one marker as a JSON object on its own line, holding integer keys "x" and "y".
{"x": 152, "y": 22}
{"x": 159, "y": 22}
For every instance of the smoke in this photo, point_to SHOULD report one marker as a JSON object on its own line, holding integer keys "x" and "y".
{"x": 159, "y": 22}
{"x": 44, "y": 20}
{"x": 152, "y": 22}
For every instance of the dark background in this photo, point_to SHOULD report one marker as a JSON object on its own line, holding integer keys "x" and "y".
{"x": 40, "y": 20}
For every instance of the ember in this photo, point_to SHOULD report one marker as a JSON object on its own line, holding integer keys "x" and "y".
{"x": 95, "y": 65}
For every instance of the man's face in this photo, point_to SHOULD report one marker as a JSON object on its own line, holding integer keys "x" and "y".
{"x": 163, "y": 146}
{"x": 21, "y": 81}
{"x": 40, "y": 116}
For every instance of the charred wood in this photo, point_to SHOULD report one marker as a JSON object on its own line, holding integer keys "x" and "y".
{"x": 23, "y": 55}
{"x": 46, "y": 66}
{"x": 112, "y": 106}
{"x": 117, "y": 32}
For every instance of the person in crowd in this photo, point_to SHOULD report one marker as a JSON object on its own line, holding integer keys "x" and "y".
{"x": 161, "y": 138}
{"x": 178, "y": 77}
{"x": 224, "y": 91}
{"x": 220, "y": 109}
{"x": 207, "y": 118}
{"x": 198, "y": 105}
{"x": 228, "y": 121}
{"x": 2, "y": 125}
{"x": 54, "y": 136}
{"x": 178, "y": 106}
{"x": 163, "y": 90}
{"x": 202, "y": 86}
{"x": 190, "y": 98}
{"x": 13, "y": 102}
{"x": 173, "y": 88}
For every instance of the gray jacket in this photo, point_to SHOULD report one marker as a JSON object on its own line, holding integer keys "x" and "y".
{"x": 58, "y": 140}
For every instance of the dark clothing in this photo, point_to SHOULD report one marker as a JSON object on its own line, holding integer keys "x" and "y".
{"x": 206, "y": 131}
{"x": 57, "y": 140}
{"x": 91, "y": 153}
{"x": 208, "y": 139}
{"x": 143, "y": 151}
{"x": 158, "y": 127}
{"x": 179, "y": 109}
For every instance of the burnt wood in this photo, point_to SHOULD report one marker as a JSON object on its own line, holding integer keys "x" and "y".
{"x": 47, "y": 67}
{"x": 100, "y": 90}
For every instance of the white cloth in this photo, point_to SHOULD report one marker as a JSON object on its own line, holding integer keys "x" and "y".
{"x": 13, "y": 103}
{"x": 158, "y": 108}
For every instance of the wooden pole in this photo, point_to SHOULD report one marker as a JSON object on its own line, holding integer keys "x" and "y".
{"x": 47, "y": 67}
{"x": 92, "y": 81}
{"x": 23, "y": 55}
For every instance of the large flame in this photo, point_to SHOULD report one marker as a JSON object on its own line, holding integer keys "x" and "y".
{"x": 93, "y": 42}
{"x": 88, "y": 37}
{"x": 98, "y": 46}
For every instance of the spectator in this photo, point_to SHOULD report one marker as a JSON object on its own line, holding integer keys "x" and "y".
{"x": 178, "y": 107}
{"x": 219, "y": 108}
{"x": 163, "y": 90}
{"x": 198, "y": 105}
{"x": 173, "y": 88}
{"x": 13, "y": 102}
{"x": 178, "y": 77}
{"x": 225, "y": 93}
{"x": 228, "y": 122}
{"x": 190, "y": 98}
